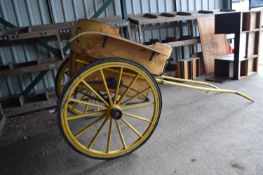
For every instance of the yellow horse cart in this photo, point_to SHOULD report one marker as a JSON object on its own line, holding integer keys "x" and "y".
{"x": 112, "y": 102}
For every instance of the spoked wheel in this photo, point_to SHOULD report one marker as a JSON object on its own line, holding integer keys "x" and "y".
{"x": 120, "y": 103}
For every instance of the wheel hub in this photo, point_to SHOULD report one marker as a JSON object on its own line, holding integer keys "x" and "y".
{"x": 115, "y": 113}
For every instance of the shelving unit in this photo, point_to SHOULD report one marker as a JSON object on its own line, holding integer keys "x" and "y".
{"x": 247, "y": 27}
{"x": 178, "y": 21}
{"x": 188, "y": 68}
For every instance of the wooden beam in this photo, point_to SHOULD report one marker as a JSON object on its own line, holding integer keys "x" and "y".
{"x": 184, "y": 42}
{"x": 29, "y": 67}
{"x": 30, "y": 107}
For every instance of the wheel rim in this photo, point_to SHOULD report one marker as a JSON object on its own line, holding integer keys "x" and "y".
{"x": 114, "y": 127}
{"x": 62, "y": 77}
{"x": 61, "y": 80}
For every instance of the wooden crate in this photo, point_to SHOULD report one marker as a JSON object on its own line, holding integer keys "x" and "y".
{"x": 188, "y": 69}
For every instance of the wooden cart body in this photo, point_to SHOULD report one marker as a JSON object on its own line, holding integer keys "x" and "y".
{"x": 95, "y": 40}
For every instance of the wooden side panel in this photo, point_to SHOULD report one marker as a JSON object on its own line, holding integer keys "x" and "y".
{"x": 213, "y": 45}
{"x": 186, "y": 70}
{"x": 179, "y": 70}
{"x": 194, "y": 68}
{"x": 251, "y": 46}
{"x": 206, "y": 25}
{"x": 103, "y": 46}
{"x": 251, "y": 20}
{"x": 250, "y": 65}
{"x": 246, "y": 22}
{"x": 243, "y": 68}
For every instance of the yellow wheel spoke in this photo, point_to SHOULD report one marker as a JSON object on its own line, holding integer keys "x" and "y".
{"x": 95, "y": 92}
{"x": 98, "y": 109}
{"x": 97, "y": 134}
{"x": 109, "y": 136}
{"x": 106, "y": 86}
{"x": 86, "y": 103}
{"x": 140, "y": 105}
{"x": 76, "y": 104}
{"x": 131, "y": 75}
{"x": 118, "y": 86}
{"x": 137, "y": 95}
{"x": 132, "y": 128}
{"x": 121, "y": 136}
{"x": 74, "y": 110}
{"x": 88, "y": 127}
{"x": 136, "y": 117}
{"x": 87, "y": 106}
{"x": 131, "y": 84}
{"x": 92, "y": 114}
{"x": 86, "y": 109}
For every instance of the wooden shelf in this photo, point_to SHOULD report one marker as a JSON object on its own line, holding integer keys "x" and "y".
{"x": 184, "y": 42}
{"x": 18, "y": 105}
{"x": 179, "y": 21}
{"x": 29, "y": 67}
{"x": 63, "y": 30}
{"x": 141, "y": 19}
{"x": 253, "y": 30}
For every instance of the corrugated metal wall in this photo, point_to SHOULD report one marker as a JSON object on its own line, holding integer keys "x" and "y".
{"x": 36, "y": 12}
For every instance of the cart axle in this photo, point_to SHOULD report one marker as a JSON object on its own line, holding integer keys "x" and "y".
{"x": 115, "y": 113}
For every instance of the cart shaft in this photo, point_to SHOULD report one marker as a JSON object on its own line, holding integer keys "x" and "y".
{"x": 172, "y": 81}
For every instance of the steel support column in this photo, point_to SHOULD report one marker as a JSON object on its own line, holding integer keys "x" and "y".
{"x": 227, "y": 4}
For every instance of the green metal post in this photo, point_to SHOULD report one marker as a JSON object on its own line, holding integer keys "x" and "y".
{"x": 227, "y": 4}
{"x": 124, "y": 14}
{"x": 96, "y": 15}
{"x": 102, "y": 9}
{"x": 124, "y": 10}
{"x": 34, "y": 82}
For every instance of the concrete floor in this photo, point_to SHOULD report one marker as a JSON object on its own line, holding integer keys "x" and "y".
{"x": 198, "y": 133}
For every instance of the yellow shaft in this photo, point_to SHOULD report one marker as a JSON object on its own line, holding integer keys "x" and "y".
{"x": 188, "y": 81}
{"x": 160, "y": 81}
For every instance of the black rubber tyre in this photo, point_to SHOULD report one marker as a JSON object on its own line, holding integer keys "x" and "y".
{"x": 59, "y": 77}
{"x": 2, "y": 121}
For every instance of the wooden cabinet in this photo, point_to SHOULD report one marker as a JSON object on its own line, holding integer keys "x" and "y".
{"x": 246, "y": 26}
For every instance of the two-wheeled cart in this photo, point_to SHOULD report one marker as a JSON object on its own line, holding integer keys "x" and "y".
{"x": 112, "y": 102}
